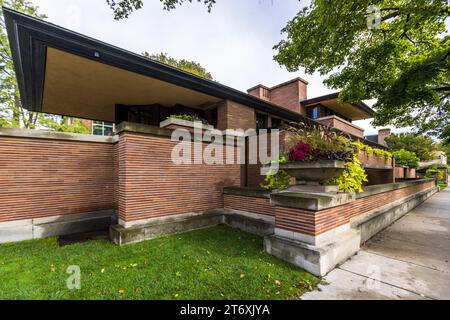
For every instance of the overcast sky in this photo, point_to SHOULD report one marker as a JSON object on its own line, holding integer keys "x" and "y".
{"x": 234, "y": 42}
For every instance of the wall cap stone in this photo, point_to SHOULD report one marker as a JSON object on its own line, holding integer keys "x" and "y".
{"x": 381, "y": 188}
{"x": 247, "y": 192}
{"x": 54, "y": 135}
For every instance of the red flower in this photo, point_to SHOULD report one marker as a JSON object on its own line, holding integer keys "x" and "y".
{"x": 301, "y": 152}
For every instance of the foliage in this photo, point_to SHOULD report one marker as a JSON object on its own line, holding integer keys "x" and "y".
{"x": 440, "y": 166}
{"x": 443, "y": 185}
{"x": 12, "y": 114}
{"x": 314, "y": 142}
{"x": 64, "y": 124}
{"x": 359, "y": 146}
{"x": 421, "y": 145}
{"x": 278, "y": 180}
{"x": 326, "y": 142}
{"x": 183, "y": 64}
{"x": 445, "y": 148}
{"x": 406, "y": 158}
{"x": 123, "y": 8}
{"x": 404, "y": 62}
{"x": 214, "y": 263}
{"x": 434, "y": 173}
{"x": 352, "y": 179}
{"x": 187, "y": 117}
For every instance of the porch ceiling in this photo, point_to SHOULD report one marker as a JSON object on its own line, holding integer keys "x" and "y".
{"x": 86, "y": 88}
{"x": 63, "y": 72}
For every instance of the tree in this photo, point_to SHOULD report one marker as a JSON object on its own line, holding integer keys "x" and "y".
{"x": 123, "y": 8}
{"x": 11, "y": 112}
{"x": 406, "y": 158}
{"x": 422, "y": 146}
{"x": 446, "y": 149}
{"x": 185, "y": 65}
{"x": 397, "y": 52}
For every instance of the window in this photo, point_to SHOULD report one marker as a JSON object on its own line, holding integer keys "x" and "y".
{"x": 261, "y": 121}
{"x": 315, "y": 112}
{"x": 101, "y": 128}
{"x": 276, "y": 123}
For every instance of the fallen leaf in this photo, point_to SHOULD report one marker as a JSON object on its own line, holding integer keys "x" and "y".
{"x": 242, "y": 275}
{"x": 121, "y": 291}
{"x": 277, "y": 282}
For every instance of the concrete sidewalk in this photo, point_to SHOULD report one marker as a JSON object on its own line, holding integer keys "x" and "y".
{"x": 410, "y": 259}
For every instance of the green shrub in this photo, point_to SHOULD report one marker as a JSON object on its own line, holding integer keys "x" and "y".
{"x": 442, "y": 185}
{"x": 434, "y": 173}
{"x": 279, "y": 180}
{"x": 406, "y": 158}
{"x": 187, "y": 117}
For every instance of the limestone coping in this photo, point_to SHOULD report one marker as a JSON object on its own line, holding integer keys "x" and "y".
{"x": 247, "y": 192}
{"x": 380, "y": 188}
{"x": 162, "y": 132}
{"x": 55, "y": 135}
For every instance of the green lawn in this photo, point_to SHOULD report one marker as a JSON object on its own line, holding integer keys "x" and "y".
{"x": 214, "y": 263}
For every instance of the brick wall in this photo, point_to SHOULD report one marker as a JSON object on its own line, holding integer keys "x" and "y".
{"x": 232, "y": 115}
{"x": 336, "y": 122}
{"x": 317, "y": 222}
{"x": 151, "y": 185}
{"x": 289, "y": 95}
{"x": 42, "y": 177}
{"x": 249, "y": 204}
{"x": 399, "y": 172}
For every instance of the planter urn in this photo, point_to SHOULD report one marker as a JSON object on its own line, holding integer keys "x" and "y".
{"x": 312, "y": 175}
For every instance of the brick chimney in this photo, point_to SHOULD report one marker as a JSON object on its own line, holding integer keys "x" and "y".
{"x": 287, "y": 94}
{"x": 382, "y": 134}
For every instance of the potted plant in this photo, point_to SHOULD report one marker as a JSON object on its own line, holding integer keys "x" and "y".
{"x": 315, "y": 155}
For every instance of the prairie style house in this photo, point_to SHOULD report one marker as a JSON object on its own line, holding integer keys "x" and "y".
{"x": 59, "y": 183}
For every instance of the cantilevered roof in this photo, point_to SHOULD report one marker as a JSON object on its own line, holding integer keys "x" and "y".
{"x": 63, "y": 72}
{"x": 352, "y": 111}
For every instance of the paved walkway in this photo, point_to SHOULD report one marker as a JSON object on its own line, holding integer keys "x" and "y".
{"x": 410, "y": 258}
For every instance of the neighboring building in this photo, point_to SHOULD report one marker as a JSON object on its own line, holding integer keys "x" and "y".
{"x": 99, "y": 128}
{"x": 440, "y": 157}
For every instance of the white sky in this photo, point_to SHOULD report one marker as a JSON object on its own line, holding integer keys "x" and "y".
{"x": 234, "y": 42}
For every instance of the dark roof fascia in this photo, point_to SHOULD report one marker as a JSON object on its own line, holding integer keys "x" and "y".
{"x": 29, "y": 38}
{"x": 362, "y": 106}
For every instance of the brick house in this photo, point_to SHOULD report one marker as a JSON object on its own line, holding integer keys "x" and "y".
{"x": 58, "y": 183}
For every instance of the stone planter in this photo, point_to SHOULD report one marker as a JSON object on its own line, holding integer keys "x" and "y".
{"x": 311, "y": 175}
{"x": 173, "y": 124}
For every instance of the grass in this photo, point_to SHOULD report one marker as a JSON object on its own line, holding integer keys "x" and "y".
{"x": 214, "y": 263}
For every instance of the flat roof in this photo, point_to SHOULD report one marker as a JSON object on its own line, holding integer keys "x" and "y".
{"x": 353, "y": 111}
{"x": 37, "y": 45}
{"x": 47, "y": 54}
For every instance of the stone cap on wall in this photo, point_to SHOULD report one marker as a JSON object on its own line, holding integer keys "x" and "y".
{"x": 55, "y": 135}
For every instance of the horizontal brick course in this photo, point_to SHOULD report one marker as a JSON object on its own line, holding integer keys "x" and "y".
{"x": 249, "y": 204}
{"x": 151, "y": 185}
{"x": 41, "y": 178}
{"x": 315, "y": 223}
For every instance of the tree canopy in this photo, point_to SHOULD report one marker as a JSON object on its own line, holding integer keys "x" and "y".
{"x": 421, "y": 145}
{"x": 182, "y": 64}
{"x": 123, "y": 8}
{"x": 11, "y": 112}
{"x": 406, "y": 158}
{"x": 394, "y": 51}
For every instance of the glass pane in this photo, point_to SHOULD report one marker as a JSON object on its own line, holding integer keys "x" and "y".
{"x": 108, "y": 131}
